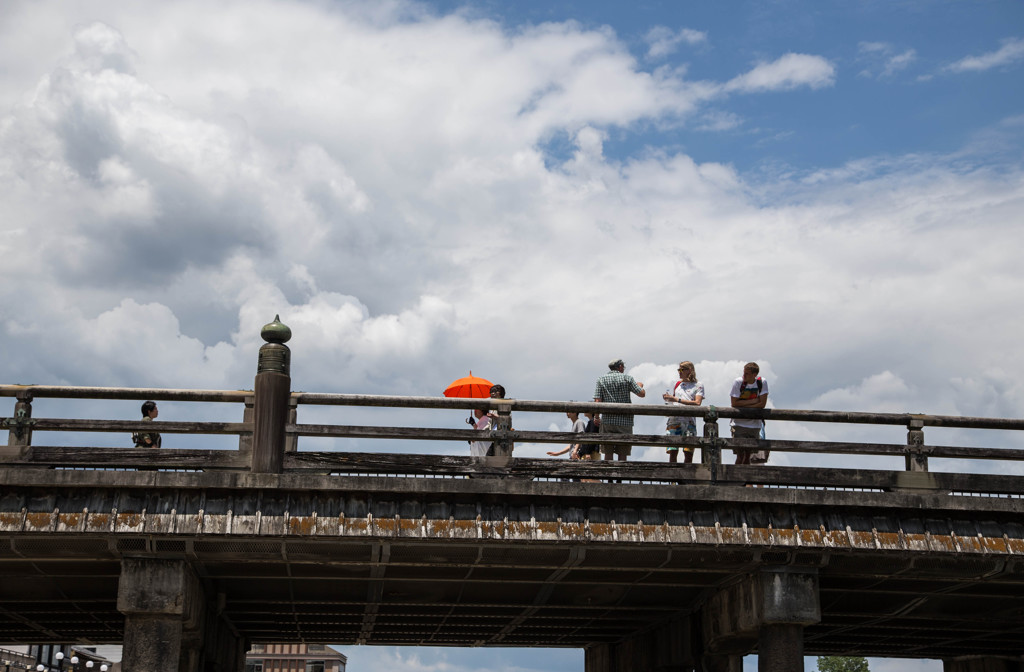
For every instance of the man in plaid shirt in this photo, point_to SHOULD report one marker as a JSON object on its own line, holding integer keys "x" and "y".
{"x": 614, "y": 387}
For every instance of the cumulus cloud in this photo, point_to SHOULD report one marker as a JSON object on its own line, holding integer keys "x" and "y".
{"x": 662, "y": 41}
{"x": 1011, "y": 51}
{"x": 170, "y": 185}
{"x": 785, "y": 73}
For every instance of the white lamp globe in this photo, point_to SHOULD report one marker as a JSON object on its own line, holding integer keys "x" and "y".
{"x": 74, "y": 660}
{"x": 88, "y": 663}
{"x": 60, "y": 655}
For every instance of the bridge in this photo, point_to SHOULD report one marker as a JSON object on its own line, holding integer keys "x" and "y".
{"x": 187, "y": 555}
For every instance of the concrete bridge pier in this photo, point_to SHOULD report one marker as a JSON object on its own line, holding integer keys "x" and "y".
{"x": 169, "y": 625}
{"x": 768, "y": 611}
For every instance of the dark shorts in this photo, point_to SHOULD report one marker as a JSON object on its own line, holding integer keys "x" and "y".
{"x": 610, "y": 449}
{"x": 756, "y": 456}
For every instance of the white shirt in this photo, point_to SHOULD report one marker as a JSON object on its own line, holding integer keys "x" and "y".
{"x": 480, "y": 448}
{"x": 741, "y": 391}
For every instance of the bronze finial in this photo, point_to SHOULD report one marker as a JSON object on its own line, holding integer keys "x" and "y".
{"x": 275, "y": 355}
{"x": 276, "y": 331}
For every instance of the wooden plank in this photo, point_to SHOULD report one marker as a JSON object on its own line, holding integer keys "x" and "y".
{"x": 803, "y": 477}
{"x": 537, "y": 406}
{"x": 522, "y": 405}
{"x": 129, "y": 426}
{"x": 135, "y": 393}
{"x": 129, "y": 458}
{"x": 443, "y": 434}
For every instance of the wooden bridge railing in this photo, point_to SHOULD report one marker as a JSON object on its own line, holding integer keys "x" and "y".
{"x": 269, "y": 432}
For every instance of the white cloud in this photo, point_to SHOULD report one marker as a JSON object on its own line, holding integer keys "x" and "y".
{"x": 882, "y": 59}
{"x": 1011, "y": 51}
{"x": 719, "y": 120}
{"x": 384, "y": 186}
{"x": 787, "y": 72}
{"x": 663, "y": 41}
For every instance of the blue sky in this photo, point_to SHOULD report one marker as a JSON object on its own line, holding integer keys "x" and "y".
{"x": 524, "y": 189}
{"x": 897, "y": 88}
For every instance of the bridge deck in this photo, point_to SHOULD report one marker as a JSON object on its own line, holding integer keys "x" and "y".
{"x": 506, "y": 561}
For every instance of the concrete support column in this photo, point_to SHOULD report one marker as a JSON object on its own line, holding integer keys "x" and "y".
{"x": 780, "y": 648}
{"x": 153, "y": 643}
{"x": 712, "y": 663}
{"x": 223, "y": 649}
{"x": 163, "y": 606}
{"x": 765, "y": 612}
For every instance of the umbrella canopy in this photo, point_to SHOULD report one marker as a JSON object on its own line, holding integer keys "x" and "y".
{"x": 471, "y": 386}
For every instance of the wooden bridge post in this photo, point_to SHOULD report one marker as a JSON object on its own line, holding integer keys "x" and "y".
{"x": 245, "y": 440}
{"x": 273, "y": 389}
{"x": 20, "y": 425}
{"x": 291, "y": 441}
{"x": 503, "y": 447}
{"x": 916, "y": 460}
{"x": 710, "y": 449}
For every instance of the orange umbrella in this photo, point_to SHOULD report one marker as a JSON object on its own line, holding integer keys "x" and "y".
{"x": 471, "y": 386}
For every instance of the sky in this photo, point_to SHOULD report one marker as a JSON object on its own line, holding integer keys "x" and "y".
{"x": 526, "y": 190}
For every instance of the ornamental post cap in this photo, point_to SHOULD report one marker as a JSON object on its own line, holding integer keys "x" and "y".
{"x": 276, "y": 331}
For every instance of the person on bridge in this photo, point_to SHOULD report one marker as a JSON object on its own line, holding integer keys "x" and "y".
{"x": 147, "y": 439}
{"x": 749, "y": 391}
{"x": 615, "y": 387}
{"x": 578, "y": 427}
{"x": 484, "y": 422}
{"x": 688, "y": 391}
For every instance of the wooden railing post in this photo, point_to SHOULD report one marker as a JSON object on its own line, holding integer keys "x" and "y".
{"x": 291, "y": 441}
{"x": 503, "y": 447}
{"x": 272, "y": 391}
{"x": 20, "y": 435}
{"x": 245, "y": 440}
{"x": 710, "y": 447}
{"x": 916, "y": 459}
